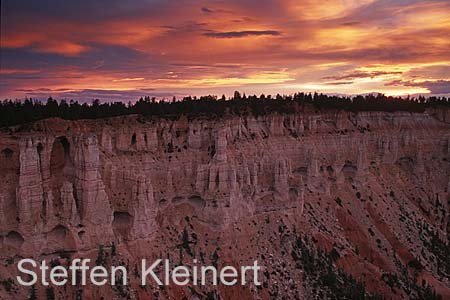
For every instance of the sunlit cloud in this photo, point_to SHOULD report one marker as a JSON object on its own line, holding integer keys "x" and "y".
{"x": 79, "y": 49}
{"x": 261, "y": 78}
{"x": 129, "y": 79}
{"x": 312, "y": 10}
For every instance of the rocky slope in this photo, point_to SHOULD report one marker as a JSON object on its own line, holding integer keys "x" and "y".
{"x": 333, "y": 204}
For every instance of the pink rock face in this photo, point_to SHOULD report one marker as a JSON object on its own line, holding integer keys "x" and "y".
{"x": 369, "y": 189}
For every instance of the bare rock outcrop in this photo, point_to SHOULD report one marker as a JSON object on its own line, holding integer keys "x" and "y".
{"x": 361, "y": 184}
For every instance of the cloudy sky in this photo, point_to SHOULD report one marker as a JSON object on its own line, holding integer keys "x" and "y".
{"x": 121, "y": 50}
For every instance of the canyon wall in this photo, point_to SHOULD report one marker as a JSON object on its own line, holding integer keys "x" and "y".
{"x": 73, "y": 186}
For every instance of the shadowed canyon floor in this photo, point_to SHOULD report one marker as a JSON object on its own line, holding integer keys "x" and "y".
{"x": 334, "y": 205}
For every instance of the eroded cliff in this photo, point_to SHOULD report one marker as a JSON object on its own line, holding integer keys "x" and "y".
{"x": 366, "y": 192}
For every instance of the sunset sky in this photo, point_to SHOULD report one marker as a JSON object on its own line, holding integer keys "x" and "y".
{"x": 122, "y": 50}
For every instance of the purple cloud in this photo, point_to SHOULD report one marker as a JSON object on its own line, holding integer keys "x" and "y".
{"x": 239, "y": 34}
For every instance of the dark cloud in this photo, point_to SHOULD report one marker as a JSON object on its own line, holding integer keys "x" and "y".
{"x": 102, "y": 58}
{"x": 239, "y": 34}
{"x": 41, "y": 75}
{"x": 41, "y": 90}
{"x": 435, "y": 87}
{"x": 438, "y": 87}
{"x": 207, "y": 10}
{"x": 81, "y": 10}
{"x": 360, "y": 74}
{"x": 351, "y": 23}
{"x": 339, "y": 82}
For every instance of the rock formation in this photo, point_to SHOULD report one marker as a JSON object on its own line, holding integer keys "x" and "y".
{"x": 360, "y": 184}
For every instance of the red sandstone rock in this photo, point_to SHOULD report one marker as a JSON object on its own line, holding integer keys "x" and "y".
{"x": 239, "y": 186}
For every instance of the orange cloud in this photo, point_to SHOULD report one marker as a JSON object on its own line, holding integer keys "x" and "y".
{"x": 330, "y": 46}
{"x": 317, "y": 10}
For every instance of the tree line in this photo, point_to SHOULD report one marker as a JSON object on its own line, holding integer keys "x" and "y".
{"x": 24, "y": 111}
